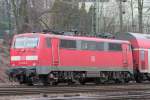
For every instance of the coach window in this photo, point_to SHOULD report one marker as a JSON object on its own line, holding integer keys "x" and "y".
{"x": 115, "y": 47}
{"x": 142, "y": 55}
{"x": 70, "y": 44}
{"x": 48, "y": 42}
{"x": 100, "y": 46}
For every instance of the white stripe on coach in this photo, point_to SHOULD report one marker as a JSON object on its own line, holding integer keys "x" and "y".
{"x": 136, "y": 49}
{"x": 15, "y": 58}
{"x": 31, "y": 57}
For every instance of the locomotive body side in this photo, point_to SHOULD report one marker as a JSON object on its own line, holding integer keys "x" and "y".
{"x": 96, "y": 55}
{"x": 54, "y": 58}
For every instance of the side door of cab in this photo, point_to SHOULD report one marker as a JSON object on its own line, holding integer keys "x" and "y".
{"x": 125, "y": 55}
{"x": 55, "y": 52}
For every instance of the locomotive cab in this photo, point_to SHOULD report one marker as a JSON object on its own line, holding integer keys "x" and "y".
{"x": 24, "y": 57}
{"x": 24, "y": 51}
{"x": 31, "y": 53}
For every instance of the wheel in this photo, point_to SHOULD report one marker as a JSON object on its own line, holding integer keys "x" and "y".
{"x": 118, "y": 81}
{"x": 137, "y": 76}
{"x": 147, "y": 76}
{"x": 97, "y": 81}
{"x": 126, "y": 80}
{"x": 29, "y": 82}
{"x": 54, "y": 83}
{"x": 82, "y": 82}
{"x": 138, "y": 79}
{"x": 45, "y": 82}
{"x": 71, "y": 82}
{"x": 21, "y": 79}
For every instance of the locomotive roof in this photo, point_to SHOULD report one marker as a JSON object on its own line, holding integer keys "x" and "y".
{"x": 74, "y": 37}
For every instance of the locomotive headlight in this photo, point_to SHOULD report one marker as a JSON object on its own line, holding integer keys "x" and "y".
{"x": 15, "y": 58}
{"x": 31, "y": 57}
{"x": 13, "y": 64}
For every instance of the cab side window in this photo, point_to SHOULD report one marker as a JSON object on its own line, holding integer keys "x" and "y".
{"x": 68, "y": 44}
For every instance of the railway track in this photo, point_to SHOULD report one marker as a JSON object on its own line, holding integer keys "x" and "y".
{"x": 103, "y": 92}
{"x": 24, "y": 90}
{"x": 75, "y": 85}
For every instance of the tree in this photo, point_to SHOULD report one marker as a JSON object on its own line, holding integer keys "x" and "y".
{"x": 27, "y": 14}
{"x": 20, "y": 12}
{"x": 90, "y": 19}
{"x": 140, "y": 15}
{"x": 83, "y": 15}
{"x": 65, "y": 17}
{"x": 132, "y": 14}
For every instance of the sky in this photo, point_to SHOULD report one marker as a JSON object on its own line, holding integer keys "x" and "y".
{"x": 88, "y": 5}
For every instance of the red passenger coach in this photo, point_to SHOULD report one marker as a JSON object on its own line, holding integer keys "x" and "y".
{"x": 141, "y": 54}
{"x": 52, "y": 59}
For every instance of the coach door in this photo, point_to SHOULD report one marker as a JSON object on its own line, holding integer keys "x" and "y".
{"x": 125, "y": 55}
{"x": 148, "y": 60}
{"x": 55, "y": 52}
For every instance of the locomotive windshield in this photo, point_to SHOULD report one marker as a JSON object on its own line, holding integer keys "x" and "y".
{"x": 26, "y": 42}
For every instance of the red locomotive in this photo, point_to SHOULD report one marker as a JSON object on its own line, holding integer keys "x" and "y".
{"x": 52, "y": 59}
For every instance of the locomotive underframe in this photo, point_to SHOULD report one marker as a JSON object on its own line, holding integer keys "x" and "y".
{"x": 30, "y": 76}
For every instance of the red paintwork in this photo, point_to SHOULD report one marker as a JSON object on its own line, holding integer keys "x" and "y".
{"x": 138, "y": 45}
{"x": 56, "y": 56}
